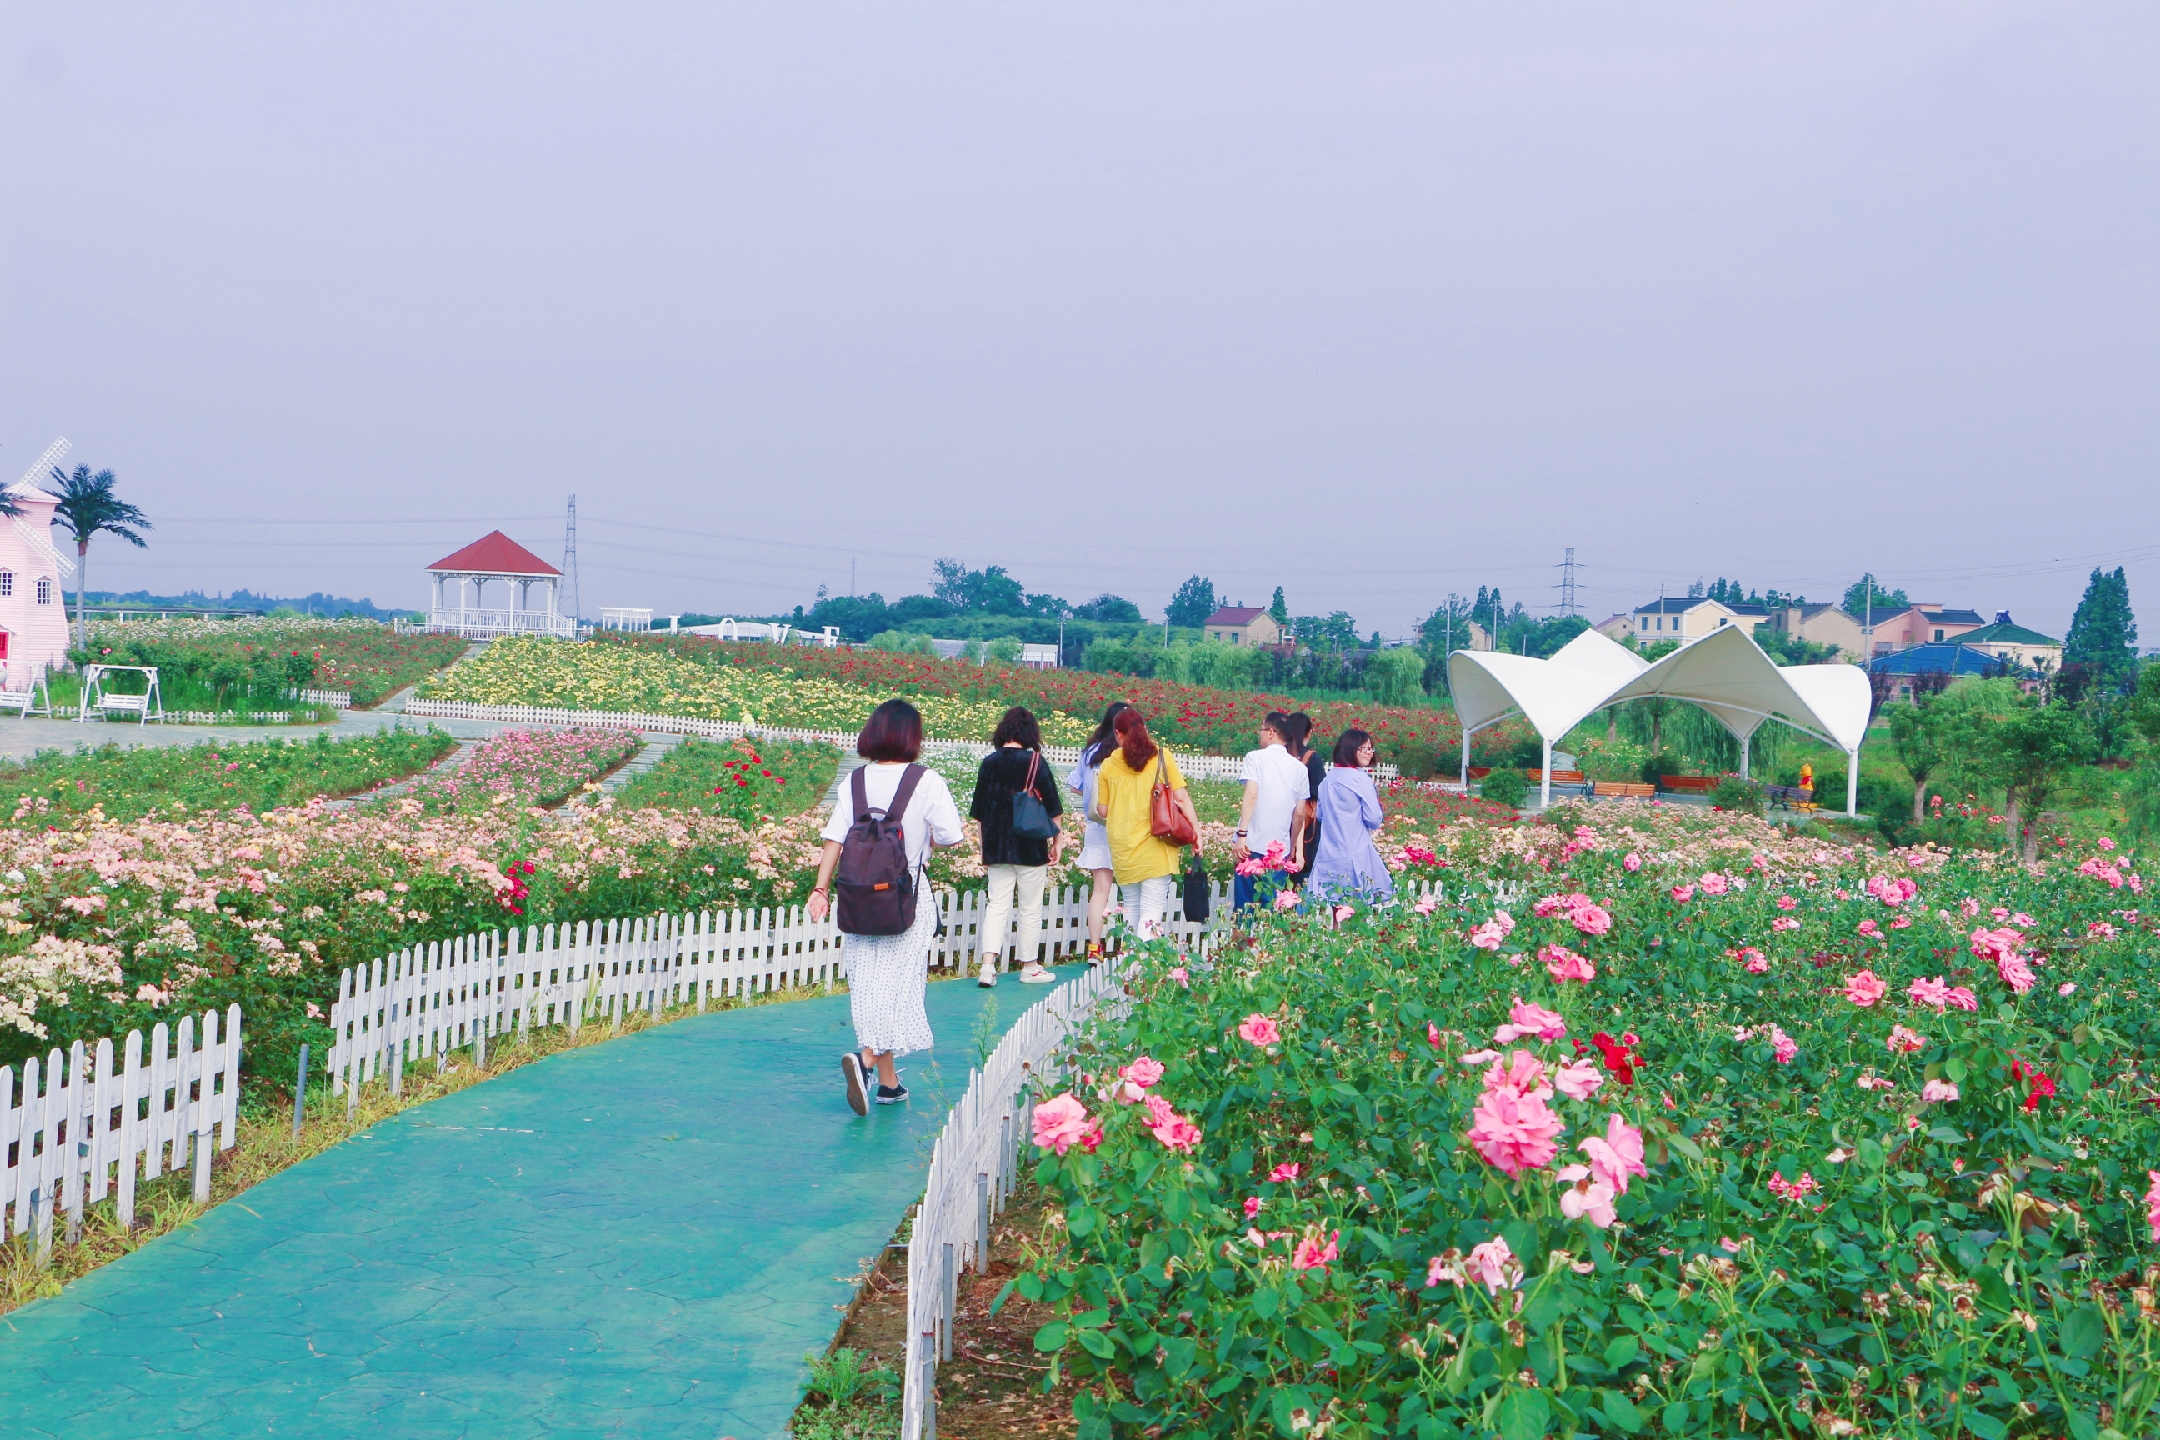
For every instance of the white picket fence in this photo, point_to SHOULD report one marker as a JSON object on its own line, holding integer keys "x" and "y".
{"x": 431, "y": 999}
{"x": 1194, "y": 765}
{"x": 76, "y": 1127}
{"x": 974, "y": 1169}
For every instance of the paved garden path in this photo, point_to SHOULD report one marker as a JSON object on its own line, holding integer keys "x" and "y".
{"x": 638, "y": 1238}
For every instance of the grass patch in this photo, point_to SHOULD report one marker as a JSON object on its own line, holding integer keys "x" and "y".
{"x": 128, "y": 783}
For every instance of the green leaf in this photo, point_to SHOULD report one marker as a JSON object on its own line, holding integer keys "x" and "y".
{"x": 2083, "y": 1426}
{"x": 1095, "y": 1426}
{"x": 1096, "y": 1343}
{"x": 1523, "y": 1414}
{"x": 1544, "y": 1308}
{"x": 1684, "y": 1145}
{"x": 1954, "y": 1067}
{"x": 1622, "y": 1411}
{"x": 1623, "y": 1351}
{"x": 1676, "y": 1417}
{"x": 1264, "y": 1303}
{"x": 1987, "y": 1427}
{"x": 1006, "y": 1294}
{"x": 1030, "y": 1285}
{"x": 1052, "y": 1336}
{"x": 1870, "y": 1153}
{"x": 2084, "y": 1332}
{"x": 2077, "y": 1079}
{"x": 1948, "y": 1134}
{"x": 1079, "y": 1221}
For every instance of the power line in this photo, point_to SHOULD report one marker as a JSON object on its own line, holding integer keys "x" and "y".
{"x": 1567, "y": 584}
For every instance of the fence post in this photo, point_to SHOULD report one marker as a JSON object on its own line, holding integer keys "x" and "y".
{"x": 929, "y": 1392}
{"x": 299, "y": 1094}
{"x": 952, "y": 1304}
{"x": 982, "y": 1222}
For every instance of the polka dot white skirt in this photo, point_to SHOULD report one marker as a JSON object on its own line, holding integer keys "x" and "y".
{"x": 886, "y": 977}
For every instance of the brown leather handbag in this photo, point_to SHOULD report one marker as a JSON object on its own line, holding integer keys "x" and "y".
{"x": 1165, "y": 820}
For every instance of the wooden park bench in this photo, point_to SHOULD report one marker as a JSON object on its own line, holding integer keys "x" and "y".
{"x": 1623, "y": 790}
{"x": 1793, "y": 797}
{"x": 1689, "y": 784}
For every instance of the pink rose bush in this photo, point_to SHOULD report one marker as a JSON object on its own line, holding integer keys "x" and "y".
{"x": 1506, "y": 1156}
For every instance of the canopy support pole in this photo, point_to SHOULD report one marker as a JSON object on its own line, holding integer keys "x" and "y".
{"x": 1747, "y": 743}
{"x": 1544, "y": 798}
{"x": 1465, "y": 756}
{"x": 1852, "y": 781}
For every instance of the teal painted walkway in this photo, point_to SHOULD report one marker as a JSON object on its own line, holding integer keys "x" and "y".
{"x": 641, "y": 1238}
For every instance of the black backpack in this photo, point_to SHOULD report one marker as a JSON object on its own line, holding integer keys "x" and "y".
{"x": 873, "y": 884}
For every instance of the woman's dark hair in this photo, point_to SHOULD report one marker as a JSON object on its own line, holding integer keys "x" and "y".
{"x": 1296, "y": 726}
{"x": 1132, "y": 737}
{"x": 1018, "y": 724}
{"x": 1105, "y": 736}
{"x": 1346, "y": 748}
{"x": 894, "y": 733}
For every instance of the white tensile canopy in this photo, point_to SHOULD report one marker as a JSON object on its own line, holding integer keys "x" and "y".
{"x": 1726, "y": 673}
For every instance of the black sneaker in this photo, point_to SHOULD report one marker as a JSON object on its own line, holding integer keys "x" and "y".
{"x": 892, "y": 1094}
{"x": 851, "y": 1067}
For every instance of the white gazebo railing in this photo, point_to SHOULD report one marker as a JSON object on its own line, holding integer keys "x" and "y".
{"x": 492, "y": 624}
{"x": 626, "y": 617}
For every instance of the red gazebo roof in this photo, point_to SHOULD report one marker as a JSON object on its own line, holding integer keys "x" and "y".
{"x": 495, "y": 554}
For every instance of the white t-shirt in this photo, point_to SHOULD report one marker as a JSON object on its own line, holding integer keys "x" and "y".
{"x": 931, "y": 813}
{"x": 1282, "y": 784}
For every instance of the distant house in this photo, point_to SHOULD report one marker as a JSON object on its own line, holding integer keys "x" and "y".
{"x": 1923, "y": 623}
{"x": 1949, "y": 658}
{"x": 1243, "y": 625}
{"x": 2006, "y": 640}
{"x": 1821, "y": 625}
{"x": 1683, "y": 618}
{"x": 1039, "y": 657}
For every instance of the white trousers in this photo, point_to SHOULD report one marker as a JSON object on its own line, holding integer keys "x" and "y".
{"x": 1013, "y": 888}
{"x": 1147, "y": 904}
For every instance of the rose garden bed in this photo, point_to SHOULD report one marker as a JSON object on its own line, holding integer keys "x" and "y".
{"x": 1692, "y": 1128}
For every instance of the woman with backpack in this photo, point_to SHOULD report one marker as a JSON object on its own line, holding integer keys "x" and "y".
{"x": 1148, "y": 818}
{"x": 1015, "y": 810}
{"x": 1346, "y": 863}
{"x": 890, "y": 814}
{"x": 1094, "y": 840}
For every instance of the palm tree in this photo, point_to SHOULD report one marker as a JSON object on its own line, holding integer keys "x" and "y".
{"x": 87, "y": 506}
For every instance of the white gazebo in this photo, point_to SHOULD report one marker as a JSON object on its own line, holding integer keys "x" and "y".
{"x": 529, "y": 595}
{"x": 1726, "y": 673}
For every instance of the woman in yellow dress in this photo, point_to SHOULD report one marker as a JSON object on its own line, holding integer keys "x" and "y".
{"x": 1144, "y": 865}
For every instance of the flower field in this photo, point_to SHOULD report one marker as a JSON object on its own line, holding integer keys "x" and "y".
{"x": 606, "y": 675}
{"x": 53, "y": 788}
{"x": 1661, "y": 1123}
{"x": 522, "y": 768}
{"x": 370, "y": 660}
{"x": 746, "y": 782}
{"x": 1419, "y": 741}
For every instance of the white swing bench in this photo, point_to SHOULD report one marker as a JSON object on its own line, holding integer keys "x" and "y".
{"x": 109, "y": 705}
{"x": 27, "y": 695}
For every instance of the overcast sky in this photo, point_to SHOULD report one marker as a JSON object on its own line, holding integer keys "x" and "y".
{"x": 1372, "y": 302}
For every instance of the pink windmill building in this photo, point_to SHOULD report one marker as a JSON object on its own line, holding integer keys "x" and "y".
{"x": 33, "y": 609}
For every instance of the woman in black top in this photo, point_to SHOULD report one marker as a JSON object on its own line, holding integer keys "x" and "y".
{"x": 1018, "y": 865}
{"x": 1305, "y": 825}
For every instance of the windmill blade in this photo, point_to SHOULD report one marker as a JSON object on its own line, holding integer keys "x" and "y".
{"x": 39, "y": 537}
{"x": 45, "y": 464}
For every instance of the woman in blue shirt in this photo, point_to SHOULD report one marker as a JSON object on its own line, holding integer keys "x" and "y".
{"x": 1347, "y": 865}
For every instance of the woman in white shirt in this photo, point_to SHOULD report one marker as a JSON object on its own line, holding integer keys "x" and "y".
{"x": 1095, "y": 840}
{"x": 887, "y": 973}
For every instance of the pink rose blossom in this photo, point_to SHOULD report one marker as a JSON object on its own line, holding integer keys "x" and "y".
{"x": 2152, "y": 1205}
{"x": 2015, "y": 972}
{"x": 1514, "y": 1132}
{"x": 1784, "y": 922}
{"x": 1753, "y": 959}
{"x": 1938, "y": 1092}
{"x": 1311, "y": 1254}
{"x": 1683, "y": 893}
{"x": 1526, "y": 1019}
{"x": 1786, "y": 902}
{"x": 1579, "y": 1079}
{"x": 1564, "y": 964}
{"x": 1491, "y": 933}
{"x": 1618, "y": 1155}
{"x": 1177, "y": 973}
{"x": 1477, "y": 1057}
{"x": 1286, "y": 900}
{"x": 1143, "y": 1072}
{"x": 1426, "y": 906}
{"x": 1061, "y": 1123}
{"x": 1864, "y": 989}
{"x": 1905, "y": 1042}
{"x": 2068, "y": 987}
{"x": 1252, "y": 1206}
{"x": 1870, "y": 929}
{"x": 1712, "y": 883}
{"x": 1783, "y": 1046}
{"x": 1586, "y": 1198}
{"x": 1794, "y": 1190}
{"x": 1631, "y": 862}
{"x": 1935, "y": 992}
{"x": 1521, "y": 1072}
{"x": 1432, "y": 1034}
{"x": 1258, "y": 1029}
{"x": 1284, "y": 1174}
{"x": 2100, "y": 930}
{"x": 1731, "y": 1246}
{"x": 1173, "y": 1130}
{"x": 1495, "y": 1266}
